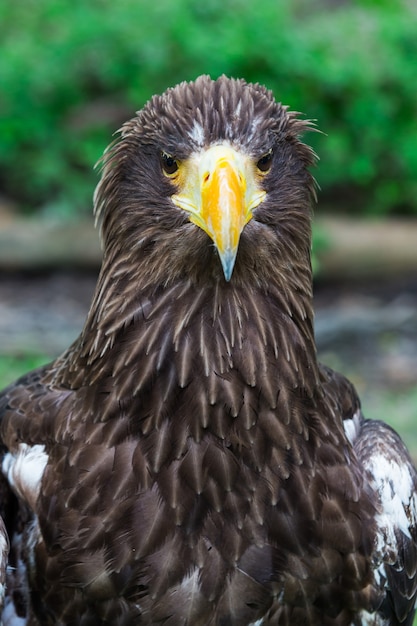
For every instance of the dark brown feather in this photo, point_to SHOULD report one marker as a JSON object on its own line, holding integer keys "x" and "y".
{"x": 197, "y": 465}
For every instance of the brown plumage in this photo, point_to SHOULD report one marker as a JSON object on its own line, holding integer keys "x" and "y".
{"x": 187, "y": 461}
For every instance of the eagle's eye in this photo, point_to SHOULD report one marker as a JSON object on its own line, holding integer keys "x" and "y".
{"x": 265, "y": 162}
{"x": 169, "y": 164}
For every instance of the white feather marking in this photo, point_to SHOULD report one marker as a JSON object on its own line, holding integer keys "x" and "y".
{"x": 4, "y": 552}
{"x": 196, "y": 134}
{"x": 2, "y": 594}
{"x": 393, "y": 484}
{"x": 256, "y": 122}
{"x": 16, "y": 579}
{"x": 258, "y": 622}
{"x": 34, "y": 538}
{"x": 190, "y": 586}
{"x": 4, "y": 544}
{"x": 9, "y": 617}
{"x": 24, "y": 469}
{"x": 371, "y": 619}
{"x": 395, "y": 491}
{"x": 352, "y": 426}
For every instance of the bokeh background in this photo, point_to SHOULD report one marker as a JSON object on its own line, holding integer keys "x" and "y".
{"x": 72, "y": 71}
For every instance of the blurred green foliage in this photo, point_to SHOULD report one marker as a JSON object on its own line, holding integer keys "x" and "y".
{"x": 71, "y": 72}
{"x": 12, "y": 367}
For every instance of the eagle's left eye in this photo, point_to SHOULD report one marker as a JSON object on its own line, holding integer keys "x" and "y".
{"x": 265, "y": 162}
{"x": 169, "y": 164}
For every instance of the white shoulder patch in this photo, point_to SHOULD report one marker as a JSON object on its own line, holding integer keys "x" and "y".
{"x": 24, "y": 469}
{"x": 393, "y": 482}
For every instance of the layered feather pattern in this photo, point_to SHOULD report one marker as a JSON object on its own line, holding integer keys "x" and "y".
{"x": 195, "y": 465}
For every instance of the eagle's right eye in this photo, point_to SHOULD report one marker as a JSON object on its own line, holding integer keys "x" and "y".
{"x": 265, "y": 162}
{"x": 169, "y": 164}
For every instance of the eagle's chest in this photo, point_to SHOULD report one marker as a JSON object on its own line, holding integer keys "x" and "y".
{"x": 191, "y": 470}
{"x": 116, "y": 506}
{"x": 138, "y": 494}
{"x": 133, "y": 510}
{"x": 119, "y": 526}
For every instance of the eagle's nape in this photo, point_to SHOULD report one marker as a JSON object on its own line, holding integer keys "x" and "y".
{"x": 188, "y": 461}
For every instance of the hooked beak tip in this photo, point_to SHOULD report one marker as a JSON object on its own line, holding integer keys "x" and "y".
{"x": 228, "y": 259}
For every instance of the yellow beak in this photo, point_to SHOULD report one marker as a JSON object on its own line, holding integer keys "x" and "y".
{"x": 219, "y": 189}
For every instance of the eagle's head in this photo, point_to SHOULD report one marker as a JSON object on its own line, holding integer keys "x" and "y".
{"x": 210, "y": 182}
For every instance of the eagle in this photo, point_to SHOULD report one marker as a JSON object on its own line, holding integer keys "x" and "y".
{"x": 188, "y": 461}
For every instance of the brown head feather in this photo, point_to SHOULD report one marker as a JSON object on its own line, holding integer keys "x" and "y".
{"x": 149, "y": 244}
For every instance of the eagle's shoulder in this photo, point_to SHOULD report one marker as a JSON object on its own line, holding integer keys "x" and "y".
{"x": 29, "y": 415}
{"x": 30, "y": 405}
{"x": 392, "y": 478}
